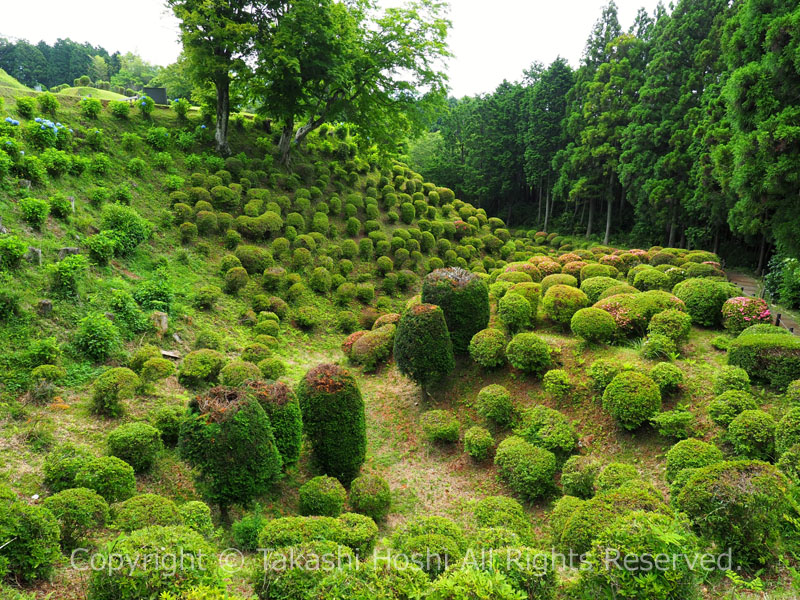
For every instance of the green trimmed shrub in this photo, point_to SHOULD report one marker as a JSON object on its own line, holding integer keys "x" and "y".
{"x": 109, "y": 476}
{"x": 752, "y": 433}
{"x": 494, "y": 404}
{"x": 514, "y": 311}
{"x": 35, "y": 211}
{"x": 334, "y": 420}
{"x": 201, "y": 366}
{"x": 197, "y": 516}
{"x": 62, "y": 464}
{"x": 283, "y": 409}
{"x": 237, "y": 372}
{"x": 728, "y": 405}
{"x": 373, "y": 347}
{"x": 595, "y": 286}
{"x": 296, "y": 571}
{"x": 677, "y": 424}
{"x": 528, "y": 470}
{"x": 632, "y": 399}
{"x": 667, "y": 376}
{"x": 602, "y": 372}
{"x": 370, "y": 495}
{"x": 464, "y": 300}
{"x": 469, "y": 582}
{"x": 422, "y": 347}
{"x": 634, "y": 536}
{"x": 656, "y": 346}
{"x": 145, "y": 510}
{"x": 478, "y": 442}
{"x": 549, "y": 429}
{"x": 704, "y": 299}
{"x": 487, "y": 348}
{"x": 614, "y": 475}
{"x": 111, "y": 389}
{"x": 528, "y": 352}
{"x": 138, "y": 444}
{"x": 578, "y": 476}
{"x": 592, "y": 516}
{"x": 168, "y": 421}
{"x": 272, "y": 368}
{"x": 245, "y": 531}
{"x": 556, "y": 382}
{"x": 31, "y": 535}
{"x": 751, "y": 494}
{"x": 557, "y": 279}
{"x": 561, "y": 302}
{"x": 774, "y": 359}
{"x": 323, "y": 496}
{"x": 156, "y": 369}
{"x": 690, "y": 454}
{"x": 789, "y": 463}
{"x": 198, "y": 565}
{"x": 502, "y": 511}
{"x": 79, "y": 511}
{"x": 593, "y": 325}
{"x": 228, "y": 438}
{"x": 729, "y": 377}
{"x": 787, "y": 433}
{"x": 439, "y": 426}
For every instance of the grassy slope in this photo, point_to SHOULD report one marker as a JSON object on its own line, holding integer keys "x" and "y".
{"x": 424, "y": 479}
{"x": 90, "y": 91}
{"x": 7, "y": 81}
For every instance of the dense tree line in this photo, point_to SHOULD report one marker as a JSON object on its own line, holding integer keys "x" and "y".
{"x": 65, "y": 61}
{"x": 680, "y": 131}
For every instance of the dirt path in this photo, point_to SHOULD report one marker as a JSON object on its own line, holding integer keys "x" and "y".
{"x": 752, "y": 287}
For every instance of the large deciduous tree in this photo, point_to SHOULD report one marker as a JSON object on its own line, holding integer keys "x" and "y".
{"x": 326, "y": 61}
{"x": 218, "y": 38}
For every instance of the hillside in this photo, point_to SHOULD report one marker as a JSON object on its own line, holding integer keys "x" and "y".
{"x": 7, "y": 81}
{"x": 90, "y": 91}
{"x": 195, "y": 271}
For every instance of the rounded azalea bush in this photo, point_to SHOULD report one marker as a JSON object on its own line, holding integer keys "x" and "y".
{"x": 487, "y": 348}
{"x": 594, "y": 325}
{"x": 632, "y": 398}
{"x": 741, "y": 312}
{"x": 561, "y": 302}
{"x": 370, "y": 495}
{"x": 323, "y": 496}
{"x": 528, "y": 352}
{"x": 526, "y": 468}
{"x": 478, "y": 442}
{"x": 752, "y": 434}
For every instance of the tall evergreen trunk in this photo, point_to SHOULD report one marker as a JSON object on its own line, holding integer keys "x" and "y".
{"x": 716, "y": 240}
{"x": 762, "y": 255}
{"x": 610, "y": 204}
{"x": 547, "y": 205}
{"x": 672, "y": 232}
{"x": 591, "y": 217}
{"x": 539, "y": 207}
{"x": 223, "y": 85}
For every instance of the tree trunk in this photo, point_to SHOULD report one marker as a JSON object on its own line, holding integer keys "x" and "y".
{"x": 539, "y": 208}
{"x": 286, "y": 143}
{"x": 762, "y": 254}
{"x": 716, "y": 240}
{"x": 610, "y": 204}
{"x": 223, "y": 85}
{"x": 671, "y": 240}
{"x": 546, "y": 210}
{"x": 591, "y": 217}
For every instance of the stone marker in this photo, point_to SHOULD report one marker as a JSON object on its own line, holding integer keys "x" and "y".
{"x": 45, "y": 307}
{"x": 160, "y": 322}
{"x": 64, "y": 252}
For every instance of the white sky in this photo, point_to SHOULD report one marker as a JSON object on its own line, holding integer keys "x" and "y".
{"x": 491, "y": 40}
